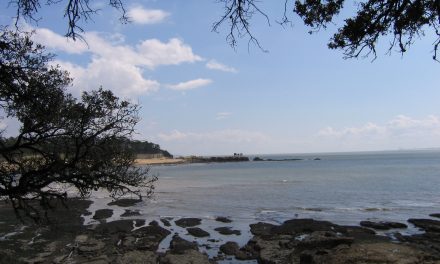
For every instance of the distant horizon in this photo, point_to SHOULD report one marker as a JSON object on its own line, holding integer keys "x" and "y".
{"x": 433, "y": 149}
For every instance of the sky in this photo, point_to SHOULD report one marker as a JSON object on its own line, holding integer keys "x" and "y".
{"x": 200, "y": 96}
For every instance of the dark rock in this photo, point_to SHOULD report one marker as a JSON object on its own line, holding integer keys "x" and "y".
{"x": 435, "y": 215}
{"x": 125, "y": 202}
{"x": 138, "y": 257}
{"x": 103, "y": 214}
{"x": 258, "y": 159}
{"x": 149, "y": 237}
{"x": 139, "y": 222}
{"x": 190, "y": 256}
{"x": 227, "y": 231}
{"x": 188, "y": 222}
{"x": 382, "y": 225}
{"x": 229, "y": 248}
{"x": 261, "y": 229}
{"x": 165, "y": 222}
{"x": 197, "y": 232}
{"x": 87, "y": 213}
{"x": 129, "y": 213}
{"x": 153, "y": 223}
{"x": 119, "y": 226}
{"x": 323, "y": 239}
{"x": 223, "y": 219}
{"x": 428, "y": 225}
{"x": 179, "y": 245}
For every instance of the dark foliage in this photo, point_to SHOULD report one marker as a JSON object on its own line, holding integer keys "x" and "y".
{"x": 145, "y": 147}
{"x": 62, "y": 142}
{"x": 402, "y": 20}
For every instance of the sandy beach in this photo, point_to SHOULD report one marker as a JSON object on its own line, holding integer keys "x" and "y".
{"x": 159, "y": 161}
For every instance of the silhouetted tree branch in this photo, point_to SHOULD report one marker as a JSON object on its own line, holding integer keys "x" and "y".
{"x": 402, "y": 20}
{"x": 62, "y": 142}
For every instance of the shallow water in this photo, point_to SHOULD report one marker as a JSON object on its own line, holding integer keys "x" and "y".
{"x": 344, "y": 188}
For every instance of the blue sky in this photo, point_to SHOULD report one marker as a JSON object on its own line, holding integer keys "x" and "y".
{"x": 200, "y": 96}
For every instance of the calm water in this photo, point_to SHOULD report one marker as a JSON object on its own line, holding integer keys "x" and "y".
{"x": 344, "y": 188}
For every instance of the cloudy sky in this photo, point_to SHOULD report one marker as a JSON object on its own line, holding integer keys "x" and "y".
{"x": 200, "y": 96}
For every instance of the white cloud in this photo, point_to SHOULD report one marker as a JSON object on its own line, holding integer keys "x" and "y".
{"x": 118, "y": 66}
{"x": 140, "y": 15}
{"x": 222, "y": 115}
{"x": 400, "y": 132}
{"x": 228, "y": 135}
{"x": 214, "y": 65}
{"x": 189, "y": 85}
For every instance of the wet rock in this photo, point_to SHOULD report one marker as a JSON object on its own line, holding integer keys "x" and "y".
{"x": 323, "y": 239}
{"x": 227, "y": 231}
{"x": 197, "y": 232}
{"x": 149, "y": 237}
{"x": 103, "y": 214}
{"x": 229, "y": 248}
{"x": 139, "y": 222}
{"x": 179, "y": 245}
{"x": 125, "y": 202}
{"x": 429, "y": 225}
{"x": 103, "y": 259}
{"x": 382, "y": 225}
{"x": 137, "y": 257}
{"x": 119, "y": 226}
{"x": 129, "y": 213}
{"x": 165, "y": 222}
{"x": 188, "y": 222}
{"x": 435, "y": 215}
{"x": 190, "y": 256}
{"x": 261, "y": 229}
{"x": 223, "y": 219}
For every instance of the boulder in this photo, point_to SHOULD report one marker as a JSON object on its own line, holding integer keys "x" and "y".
{"x": 190, "y": 256}
{"x": 188, "y": 222}
{"x": 223, "y": 219}
{"x": 125, "y": 202}
{"x": 197, "y": 232}
{"x": 382, "y": 225}
{"x": 179, "y": 245}
{"x": 129, "y": 213}
{"x": 227, "y": 231}
{"x": 103, "y": 214}
{"x": 429, "y": 225}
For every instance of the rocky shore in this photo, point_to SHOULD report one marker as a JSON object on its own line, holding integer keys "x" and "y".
{"x": 168, "y": 240}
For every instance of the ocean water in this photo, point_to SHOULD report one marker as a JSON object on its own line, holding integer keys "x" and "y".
{"x": 343, "y": 188}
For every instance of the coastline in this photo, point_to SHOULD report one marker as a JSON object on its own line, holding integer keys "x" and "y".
{"x": 133, "y": 238}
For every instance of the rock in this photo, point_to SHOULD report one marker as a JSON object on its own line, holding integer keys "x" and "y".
{"x": 257, "y": 159}
{"x": 165, "y": 222}
{"x": 435, "y": 215}
{"x": 190, "y": 256}
{"x": 429, "y": 225}
{"x": 139, "y": 222}
{"x": 227, "y": 231}
{"x": 129, "y": 213}
{"x": 125, "y": 202}
{"x": 223, "y": 219}
{"x": 179, "y": 245}
{"x": 99, "y": 260}
{"x": 149, "y": 237}
{"x": 103, "y": 214}
{"x": 81, "y": 238}
{"x": 188, "y": 222}
{"x": 323, "y": 239}
{"x": 197, "y": 232}
{"x": 137, "y": 257}
{"x": 119, "y": 226}
{"x": 229, "y": 248}
{"x": 382, "y": 225}
{"x": 91, "y": 246}
{"x": 261, "y": 229}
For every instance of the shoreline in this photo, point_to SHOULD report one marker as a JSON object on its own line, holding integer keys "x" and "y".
{"x": 132, "y": 239}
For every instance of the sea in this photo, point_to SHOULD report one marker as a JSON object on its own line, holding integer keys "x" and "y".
{"x": 344, "y": 188}
{"x": 340, "y": 187}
